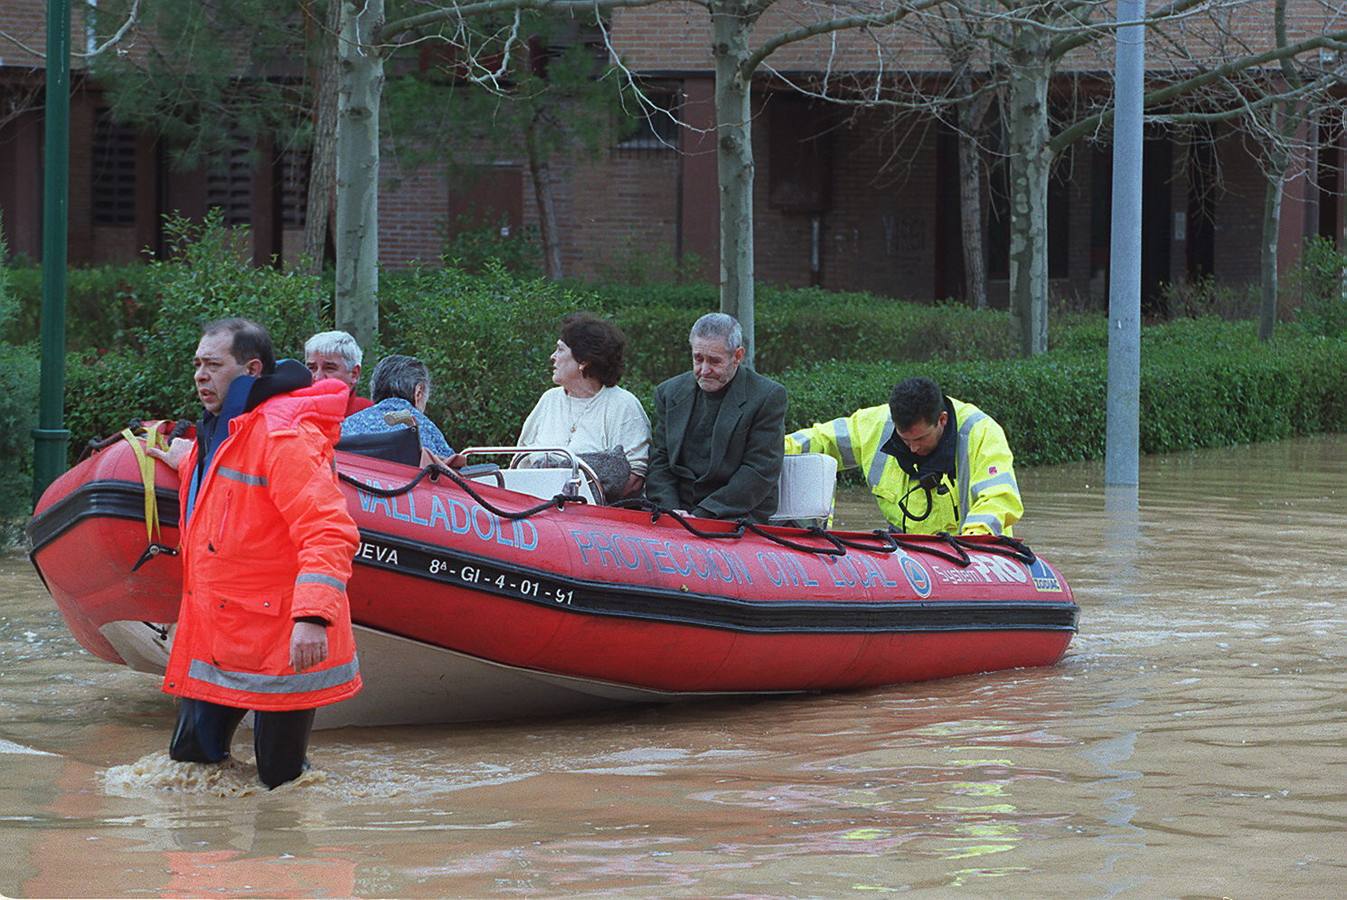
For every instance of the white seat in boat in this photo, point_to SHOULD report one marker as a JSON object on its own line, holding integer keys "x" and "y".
{"x": 806, "y": 489}
{"x": 543, "y": 483}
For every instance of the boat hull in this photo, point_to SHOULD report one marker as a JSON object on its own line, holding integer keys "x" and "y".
{"x": 464, "y": 611}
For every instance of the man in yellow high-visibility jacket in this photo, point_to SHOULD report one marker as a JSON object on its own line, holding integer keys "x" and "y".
{"x": 933, "y": 463}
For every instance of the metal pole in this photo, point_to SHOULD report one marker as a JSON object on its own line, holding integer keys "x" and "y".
{"x": 1122, "y": 448}
{"x": 50, "y": 437}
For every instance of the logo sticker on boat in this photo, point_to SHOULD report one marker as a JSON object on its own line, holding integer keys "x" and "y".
{"x": 1045, "y": 581}
{"x": 917, "y": 576}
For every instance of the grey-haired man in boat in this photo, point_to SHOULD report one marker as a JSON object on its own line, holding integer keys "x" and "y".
{"x": 335, "y": 354}
{"x": 719, "y": 431}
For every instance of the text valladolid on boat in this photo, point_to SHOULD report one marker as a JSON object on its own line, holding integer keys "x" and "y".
{"x": 475, "y": 601}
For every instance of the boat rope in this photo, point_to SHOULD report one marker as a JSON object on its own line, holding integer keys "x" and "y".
{"x": 435, "y": 470}
{"x": 836, "y": 545}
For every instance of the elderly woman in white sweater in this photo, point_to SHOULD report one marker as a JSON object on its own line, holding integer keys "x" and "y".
{"x": 587, "y": 412}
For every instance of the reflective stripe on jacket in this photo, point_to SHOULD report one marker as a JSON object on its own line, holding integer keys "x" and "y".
{"x": 268, "y": 542}
{"x": 986, "y": 499}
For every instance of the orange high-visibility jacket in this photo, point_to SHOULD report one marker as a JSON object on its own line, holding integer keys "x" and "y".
{"x": 268, "y": 542}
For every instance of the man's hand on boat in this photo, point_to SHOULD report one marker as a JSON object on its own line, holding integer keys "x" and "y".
{"x": 308, "y": 645}
{"x": 173, "y": 455}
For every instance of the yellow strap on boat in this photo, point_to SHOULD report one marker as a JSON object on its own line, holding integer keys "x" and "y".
{"x": 154, "y": 439}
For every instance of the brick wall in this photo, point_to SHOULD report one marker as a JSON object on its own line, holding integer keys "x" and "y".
{"x": 413, "y": 207}
{"x": 676, "y": 36}
{"x": 1239, "y": 214}
{"x": 617, "y": 212}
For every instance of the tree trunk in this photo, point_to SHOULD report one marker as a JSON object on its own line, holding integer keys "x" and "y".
{"x": 1286, "y": 122}
{"x": 1272, "y": 218}
{"x": 1030, "y": 166}
{"x": 970, "y": 200}
{"x": 323, "y": 152}
{"x": 541, "y": 175}
{"x": 731, "y": 22}
{"x": 357, "y": 167}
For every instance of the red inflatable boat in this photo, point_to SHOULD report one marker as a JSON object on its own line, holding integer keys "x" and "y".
{"x": 472, "y": 601}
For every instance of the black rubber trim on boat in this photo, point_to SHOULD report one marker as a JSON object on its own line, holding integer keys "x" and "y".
{"x": 99, "y": 499}
{"x": 654, "y": 604}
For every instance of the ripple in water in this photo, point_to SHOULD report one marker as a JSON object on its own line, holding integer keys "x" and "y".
{"x": 157, "y": 773}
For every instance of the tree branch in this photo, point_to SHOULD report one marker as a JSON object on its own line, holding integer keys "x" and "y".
{"x": 131, "y": 18}
{"x": 392, "y": 30}
{"x": 1246, "y": 106}
{"x": 1070, "y": 135}
{"x": 1065, "y": 45}
{"x": 751, "y": 64}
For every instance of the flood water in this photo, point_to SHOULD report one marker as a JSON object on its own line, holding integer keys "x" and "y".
{"x": 1192, "y": 742}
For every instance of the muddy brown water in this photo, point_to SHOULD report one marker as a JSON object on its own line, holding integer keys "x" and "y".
{"x": 1192, "y": 742}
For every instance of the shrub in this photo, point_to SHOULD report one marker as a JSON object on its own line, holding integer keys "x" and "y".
{"x": 1204, "y": 386}
{"x": 794, "y": 325}
{"x": 487, "y": 338}
{"x": 105, "y": 305}
{"x": 149, "y": 375}
{"x": 1317, "y": 282}
{"x": 486, "y": 341}
{"x": 18, "y": 407}
{"x": 637, "y": 264}
{"x": 1205, "y": 296}
{"x": 475, "y": 247}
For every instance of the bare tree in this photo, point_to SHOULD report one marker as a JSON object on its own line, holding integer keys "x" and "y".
{"x": 367, "y": 39}
{"x": 1022, "y": 49}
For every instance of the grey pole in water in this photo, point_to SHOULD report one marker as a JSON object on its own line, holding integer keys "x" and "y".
{"x": 1122, "y": 450}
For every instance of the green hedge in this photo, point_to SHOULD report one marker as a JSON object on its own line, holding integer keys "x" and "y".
{"x": 147, "y": 373}
{"x": 1204, "y": 383}
{"x": 805, "y": 324}
{"x": 487, "y": 339}
{"x": 18, "y": 409}
{"x": 105, "y": 305}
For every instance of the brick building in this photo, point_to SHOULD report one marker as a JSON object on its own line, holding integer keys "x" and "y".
{"x": 853, "y": 204}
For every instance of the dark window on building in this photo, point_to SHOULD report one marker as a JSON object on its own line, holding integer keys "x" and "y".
{"x": 652, "y": 125}
{"x": 114, "y": 171}
{"x": 229, "y": 182}
{"x": 294, "y": 174}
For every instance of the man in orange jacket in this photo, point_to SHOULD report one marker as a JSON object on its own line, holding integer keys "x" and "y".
{"x": 266, "y": 546}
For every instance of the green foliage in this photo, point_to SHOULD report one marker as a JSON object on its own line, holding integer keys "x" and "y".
{"x": 1206, "y": 296}
{"x": 105, "y": 305}
{"x": 544, "y": 106}
{"x": 9, "y": 304}
{"x": 148, "y": 375}
{"x": 18, "y": 407}
{"x": 475, "y": 247}
{"x": 486, "y": 341}
{"x": 798, "y": 325}
{"x": 199, "y": 87}
{"x": 18, "y": 416}
{"x": 1319, "y": 284}
{"x": 1204, "y": 383}
{"x": 636, "y": 264}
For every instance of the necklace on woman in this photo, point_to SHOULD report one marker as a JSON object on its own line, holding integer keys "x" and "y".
{"x": 577, "y": 415}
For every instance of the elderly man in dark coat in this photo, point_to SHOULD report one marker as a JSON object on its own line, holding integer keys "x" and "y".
{"x": 719, "y": 431}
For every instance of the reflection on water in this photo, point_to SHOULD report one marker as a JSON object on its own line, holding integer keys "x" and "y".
{"x": 1190, "y": 743}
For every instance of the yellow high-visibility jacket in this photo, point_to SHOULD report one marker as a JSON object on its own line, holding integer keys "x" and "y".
{"x": 986, "y": 499}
